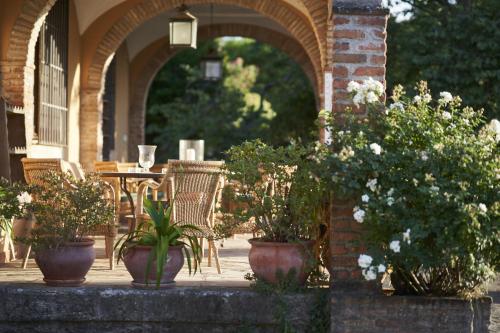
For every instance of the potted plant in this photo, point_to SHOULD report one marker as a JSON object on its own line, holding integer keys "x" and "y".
{"x": 278, "y": 192}
{"x": 424, "y": 176}
{"x": 66, "y": 210}
{"x": 14, "y": 206}
{"x": 154, "y": 252}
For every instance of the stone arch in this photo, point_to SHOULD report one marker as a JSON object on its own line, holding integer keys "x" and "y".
{"x": 17, "y": 72}
{"x": 297, "y": 24}
{"x": 18, "y": 69}
{"x": 141, "y": 84}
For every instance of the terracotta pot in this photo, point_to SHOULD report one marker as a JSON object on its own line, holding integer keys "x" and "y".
{"x": 68, "y": 264}
{"x": 268, "y": 258}
{"x": 136, "y": 260}
{"x": 21, "y": 228}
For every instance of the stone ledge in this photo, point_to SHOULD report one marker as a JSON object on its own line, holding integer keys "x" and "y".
{"x": 359, "y": 7}
{"x": 37, "y": 308}
{"x": 354, "y": 312}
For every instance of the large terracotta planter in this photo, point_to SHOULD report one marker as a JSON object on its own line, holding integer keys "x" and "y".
{"x": 268, "y": 258}
{"x": 68, "y": 264}
{"x": 136, "y": 260}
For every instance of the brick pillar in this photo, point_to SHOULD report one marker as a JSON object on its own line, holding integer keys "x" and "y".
{"x": 90, "y": 127}
{"x": 358, "y": 43}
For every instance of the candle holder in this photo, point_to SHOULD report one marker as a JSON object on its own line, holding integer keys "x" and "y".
{"x": 191, "y": 150}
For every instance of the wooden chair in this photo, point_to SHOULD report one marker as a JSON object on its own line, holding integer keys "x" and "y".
{"x": 194, "y": 187}
{"x": 35, "y": 168}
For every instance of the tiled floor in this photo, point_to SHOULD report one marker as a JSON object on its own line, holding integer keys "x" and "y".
{"x": 233, "y": 259}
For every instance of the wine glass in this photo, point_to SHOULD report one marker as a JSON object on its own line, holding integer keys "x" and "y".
{"x": 146, "y": 156}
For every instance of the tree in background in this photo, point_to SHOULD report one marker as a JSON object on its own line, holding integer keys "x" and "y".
{"x": 264, "y": 94}
{"x": 452, "y": 44}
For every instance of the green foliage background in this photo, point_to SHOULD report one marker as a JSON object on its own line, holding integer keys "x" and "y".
{"x": 455, "y": 47}
{"x": 264, "y": 94}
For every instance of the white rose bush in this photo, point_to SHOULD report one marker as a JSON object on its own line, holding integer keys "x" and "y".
{"x": 425, "y": 175}
{"x": 15, "y": 201}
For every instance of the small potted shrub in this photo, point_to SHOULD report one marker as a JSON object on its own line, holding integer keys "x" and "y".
{"x": 278, "y": 192}
{"x": 424, "y": 175}
{"x": 154, "y": 253}
{"x": 66, "y": 210}
{"x": 14, "y": 207}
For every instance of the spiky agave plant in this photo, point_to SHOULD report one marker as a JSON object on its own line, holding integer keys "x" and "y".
{"x": 161, "y": 233}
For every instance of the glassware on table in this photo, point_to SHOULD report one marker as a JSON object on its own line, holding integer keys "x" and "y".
{"x": 146, "y": 156}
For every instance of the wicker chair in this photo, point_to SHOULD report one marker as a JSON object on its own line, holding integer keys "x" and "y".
{"x": 194, "y": 187}
{"x": 100, "y": 166}
{"x": 35, "y": 168}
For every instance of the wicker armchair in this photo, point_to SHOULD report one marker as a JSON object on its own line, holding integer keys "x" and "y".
{"x": 35, "y": 168}
{"x": 194, "y": 187}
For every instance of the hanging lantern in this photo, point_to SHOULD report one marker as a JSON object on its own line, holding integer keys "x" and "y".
{"x": 211, "y": 66}
{"x": 183, "y": 29}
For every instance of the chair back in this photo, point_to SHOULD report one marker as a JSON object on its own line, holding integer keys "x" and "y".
{"x": 106, "y": 166}
{"x": 124, "y": 166}
{"x": 195, "y": 185}
{"x": 36, "y": 168}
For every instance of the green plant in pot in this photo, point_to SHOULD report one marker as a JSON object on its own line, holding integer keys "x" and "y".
{"x": 66, "y": 211}
{"x": 423, "y": 174}
{"x": 154, "y": 252}
{"x": 277, "y": 190}
{"x": 14, "y": 204}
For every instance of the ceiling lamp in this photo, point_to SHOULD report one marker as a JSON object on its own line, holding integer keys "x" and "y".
{"x": 211, "y": 64}
{"x": 183, "y": 29}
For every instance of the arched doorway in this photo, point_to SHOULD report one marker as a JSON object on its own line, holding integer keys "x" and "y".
{"x": 295, "y": 22}
{"x": 145, "y": 66}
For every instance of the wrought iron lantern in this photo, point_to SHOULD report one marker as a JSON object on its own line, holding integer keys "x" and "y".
{"x": 211, "y": 64}
{"x": 183, "y": 29}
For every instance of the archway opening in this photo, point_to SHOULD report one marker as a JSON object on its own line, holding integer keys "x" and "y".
{"x": 263, "y": 94}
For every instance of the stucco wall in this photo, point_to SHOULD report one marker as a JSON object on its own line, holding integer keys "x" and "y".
{"x": 121, "y": 105}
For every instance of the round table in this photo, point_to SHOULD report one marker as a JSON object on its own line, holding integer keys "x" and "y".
{"x": 123, "y": 184}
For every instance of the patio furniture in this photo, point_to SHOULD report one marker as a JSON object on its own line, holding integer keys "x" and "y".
{"x": 123, "y": 181}
{"x": 193, "y": 187}
{"x": 35, "y": 168}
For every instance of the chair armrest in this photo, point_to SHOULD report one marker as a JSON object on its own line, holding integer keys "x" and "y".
{"x": 142, "y": 191}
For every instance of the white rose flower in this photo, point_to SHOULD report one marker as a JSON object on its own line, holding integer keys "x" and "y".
{"x": 494, "y": 127}
{"x": 364, "y": 261}
{"x": 371, "y": 97}
{"x": 398, "y": 105}
{"x": 353, "y": 86}
{"x": 427, "y": 98}
{"x": 369, "y": 274}
{"x": 446, "y": 97}
{"x": 365, "y": 198}
{"x": 446, "y": 115}
{"x": 424, "y": 156}
{"x": 359, "y": 215}
{"x": 374, "y": 85}
{"x": 482, "y": 207}
{"x": 394, "y": 246}
{"x": 391, "y": 191}
{"x": 434, "y": 189}
{"x": 381, "y": 268}
{"x": 376, "y": 148}
{"x": 406, "y": 236}
{"x": 24, "y": 198}
{"x": 417, "y": 99}
{"x": 390, "y": 201}
{"x": 359, "y": 98}
{"x": 372, "y": 184}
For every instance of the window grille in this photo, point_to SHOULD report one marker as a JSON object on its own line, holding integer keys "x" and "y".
{"x": 51, "y": 93}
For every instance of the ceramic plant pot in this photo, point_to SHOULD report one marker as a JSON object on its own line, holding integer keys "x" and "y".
{"x": 267, "y": 259}
{"x": 68, "y": 264}
{"x": 136, "y": 260}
